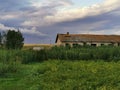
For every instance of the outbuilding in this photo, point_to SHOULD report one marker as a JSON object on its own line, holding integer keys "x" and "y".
{"x": 87, "y": 39}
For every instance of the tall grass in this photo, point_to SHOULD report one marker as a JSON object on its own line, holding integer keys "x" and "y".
{"x": 23, "y": 56}
{"x": 80, "y": 53}
{"x": 11, "y": 60}
{"x": 61, "y": 53}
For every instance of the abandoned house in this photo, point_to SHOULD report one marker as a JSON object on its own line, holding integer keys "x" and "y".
{"x": 87, "y": 39}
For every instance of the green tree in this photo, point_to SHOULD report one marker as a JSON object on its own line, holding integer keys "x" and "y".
{"x": 14, "y": 39}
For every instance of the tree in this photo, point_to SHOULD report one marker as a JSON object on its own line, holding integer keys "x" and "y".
{"x": 14, "y": 39}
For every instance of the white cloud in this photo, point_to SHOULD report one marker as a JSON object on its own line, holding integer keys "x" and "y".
{"x": 23, "y": 30}
{"x": 51, "y": 3}
{"x": 5, "y": 28}
{"x": 50, "y": 14}
{"x": 97, "y": 9}
{"x": 32, "y": 31}
{"x": 10, "y": 15}
{"x": 43, "y": 9}
{"x": 47, "y": 12}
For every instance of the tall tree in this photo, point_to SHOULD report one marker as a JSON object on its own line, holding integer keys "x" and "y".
{"x": 14, "y": 39}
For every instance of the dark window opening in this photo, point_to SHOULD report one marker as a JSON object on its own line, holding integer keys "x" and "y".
{"x": 102, "y": 44}
{"x": 93, "y": 45}
{"x": 118, "y": 44}
{"x": 75, "y": 45}
{"x": 67, "y": 45}
{"x": 84, "y": 43}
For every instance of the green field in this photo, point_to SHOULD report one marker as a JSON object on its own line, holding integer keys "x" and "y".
{"x": 62, "y": 75}
{"x": 60, "y": 68}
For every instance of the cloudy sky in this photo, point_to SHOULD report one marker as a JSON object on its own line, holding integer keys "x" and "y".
{"x": 41, "y": 20}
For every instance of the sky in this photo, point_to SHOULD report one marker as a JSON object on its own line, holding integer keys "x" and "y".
{"x": 41, "y": 20}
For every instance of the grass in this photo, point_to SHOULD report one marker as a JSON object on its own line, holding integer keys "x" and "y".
{"x": 61, "y": 68}
{"x": 61, "y": 53}
{"x": 80, "y": 53}
{"x": 64, "y": 75}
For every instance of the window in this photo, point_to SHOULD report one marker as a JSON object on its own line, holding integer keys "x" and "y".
{"x": 102, "y": 44}
{"x": 84, "y": 43}
{"x": 67, "y": 45}
{"x": 93, "y": 45}
{"x": 75, "y": 45}
{"x": 118, "y": 44}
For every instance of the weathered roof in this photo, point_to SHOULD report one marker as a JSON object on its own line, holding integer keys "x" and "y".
{"x": 87, "y": 38}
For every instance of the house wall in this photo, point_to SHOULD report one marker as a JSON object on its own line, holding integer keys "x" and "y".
{"x": 116, "y": 44}
{"x": 59, "y": 42}
{"x": 90, "y": 44}
{"x": 81, "y": 44}
{"x": 98, "y": 44}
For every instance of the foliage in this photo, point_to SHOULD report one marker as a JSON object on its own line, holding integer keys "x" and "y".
{"x": 78, "y": 75}
{"x": 7, "y": 56}
{"x": 64, "y": 75}
{"x": 85, "y": 70}
{"x": 13, "y": 67}
{"x": 61, "y": 53}
{"x": 80, "y": 53}
{"x": 14, "y": 39}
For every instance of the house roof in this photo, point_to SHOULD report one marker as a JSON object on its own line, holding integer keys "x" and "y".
{"x": 87, "y": 38}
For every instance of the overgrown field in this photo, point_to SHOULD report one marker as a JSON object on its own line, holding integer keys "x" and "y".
{"x": 61, "y": 68}
{"x": 81, "y": 53}
{"x": 63, "y": 75}
{"x": 61, "y": 53}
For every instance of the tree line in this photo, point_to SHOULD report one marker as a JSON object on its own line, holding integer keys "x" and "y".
{"x": 11, "y": 39}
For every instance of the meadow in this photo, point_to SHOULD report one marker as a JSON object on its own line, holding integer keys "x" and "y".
{"x": 60, "y": 68}
{"x": 63, "y": 75}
